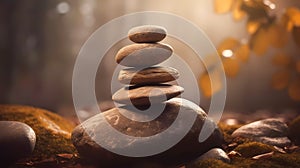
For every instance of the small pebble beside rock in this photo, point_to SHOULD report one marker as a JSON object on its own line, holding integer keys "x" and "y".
{"x": 215, "y": 153}
{"x": 17, "y": 140}
{"x": 269, "y": 131}
{"x": 143, "y": 54}
{"x": 147, "y": 34}
{"x": 148, "y": 75}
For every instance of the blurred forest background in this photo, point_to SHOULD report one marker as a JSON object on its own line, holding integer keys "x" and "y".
{"x": 40, "y": 40}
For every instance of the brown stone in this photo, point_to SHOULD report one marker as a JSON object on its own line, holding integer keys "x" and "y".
{"x": 139, "y": 95}
{"x": 147, "y": 34}
{"x": 148, "y": 75}
{"x": 143, "y": 54}
{"x": 187, "y": 149}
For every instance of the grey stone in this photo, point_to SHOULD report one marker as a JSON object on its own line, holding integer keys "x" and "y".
{"x": 215, "y": 153}
{"x": 269, "y": 131}
{"x": 17, "y": 140}
{"x": 185, "y": 150}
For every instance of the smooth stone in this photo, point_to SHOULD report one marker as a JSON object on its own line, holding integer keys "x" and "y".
{"x": 146, "y": 94}
{"x": 149, "y": 75}
{"x": 215, "y": 153}
{"x": 147, "y": 34}
{"x": 269, "y": 131}
{"x": 17, "y": 140}
{"x": 143, "y": 54}
{"x": 53, "y": 132}
{"x": 185, "y": 150}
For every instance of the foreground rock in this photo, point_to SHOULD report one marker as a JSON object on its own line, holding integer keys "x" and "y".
{"x": 269, "y": 131}
{"x": 187, "y": 149}
{"x": 52, "y": 131}
{"x": 149, "y": 75}
{"x": 17, "y": 140}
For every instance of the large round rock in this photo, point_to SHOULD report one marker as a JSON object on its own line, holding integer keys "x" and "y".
{"x": 149, "y": 75}
{"x": 185, "y": 150}
{"x": 17, "y": 140}
{"x": 147, "y": 34}
{"x": 143, "y": 54}
{"x": 145, "y": 95}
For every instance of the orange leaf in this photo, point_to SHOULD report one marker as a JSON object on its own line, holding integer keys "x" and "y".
{"x": 260, "y": 42}
{"x": 280, "y": 80}
{"x": 207, "y": 87}
{"x": 277, "y": 36}
{"x": 231, "y": 67}
{"x": 252, "y": 26}
{"x": 238, "y": 13}
{"x": 294, "y": 90}
{"x": 243, "y": 52}
{"x": 294, "y": 15}
{"x": 223, "y": 6}
{"x": 228, "y": 44}
{"x": 281, "y": 59}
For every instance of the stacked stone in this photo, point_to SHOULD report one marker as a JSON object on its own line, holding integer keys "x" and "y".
{"x": 143, "y": 76}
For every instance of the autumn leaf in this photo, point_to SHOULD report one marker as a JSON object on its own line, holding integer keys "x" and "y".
{"x": 242, "y": 53}
{"x": 252, "y": 26}
{"x": 280, "y": 80}
{"x": 294, "y": 15}
{"x": 238, "y": 13}
{"x": 260, "y": 42}
{"x": 223, "y": 6}
{"x": 206, "y": 86}
{"x": 281, "y": 59}
{"x": 277, "y": 35}
{"x": 228, "y": 44}
{"x": 231, "y": 67}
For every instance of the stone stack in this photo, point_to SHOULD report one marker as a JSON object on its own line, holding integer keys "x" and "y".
{"x": 142, "y": 75}
{"x": 145, "y": 82}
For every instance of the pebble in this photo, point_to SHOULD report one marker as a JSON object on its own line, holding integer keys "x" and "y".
{"x": 270, "y": 131}
{"x": 143, "y": 54}
{"x": 139, "y": 95}
{"x": 147, "y": 34}
{"x": 215, "y": 153}
{"x": 149, "y": 75}
{"x": 17, "y": 140}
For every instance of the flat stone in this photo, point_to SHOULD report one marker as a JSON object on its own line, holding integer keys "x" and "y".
{"x": 87, "y": 134}
{"x": 17, "y": 141}
{"x": 147, "y": 34}
{"x": 149, "y": 75}
{"x": 269, "y": 131}
{"x": 142, "y": 95}
{"x": 143, "y": 54}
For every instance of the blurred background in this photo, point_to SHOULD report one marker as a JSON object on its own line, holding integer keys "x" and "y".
{"x": 258, "y": 41}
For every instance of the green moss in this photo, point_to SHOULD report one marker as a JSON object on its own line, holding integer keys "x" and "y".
{"x": 53, "y": 132}
{"x": 251, "y": 149}
{"x": 294, "y": 131}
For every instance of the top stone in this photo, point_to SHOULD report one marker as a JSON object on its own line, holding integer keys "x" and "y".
{"x": 147, "y": 34}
